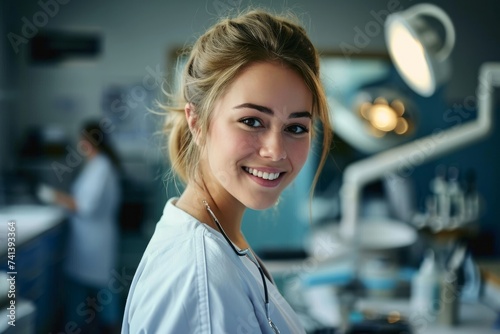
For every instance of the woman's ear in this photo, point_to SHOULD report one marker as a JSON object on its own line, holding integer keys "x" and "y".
{"x": 192, "y": 120}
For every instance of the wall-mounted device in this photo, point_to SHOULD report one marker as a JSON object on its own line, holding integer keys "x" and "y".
{"x": 55, "y": 46}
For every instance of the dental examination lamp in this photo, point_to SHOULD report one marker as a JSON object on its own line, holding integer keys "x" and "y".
{"x": 416, "y": 50}
{"x": 421, "y": 60}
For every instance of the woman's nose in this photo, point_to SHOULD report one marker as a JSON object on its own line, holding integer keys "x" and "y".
{"x": 272, "y": 146}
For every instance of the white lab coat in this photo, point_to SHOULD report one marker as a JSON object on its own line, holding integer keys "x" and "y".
{"x": 190, "y": 281}
{"x": 93, "y": 235}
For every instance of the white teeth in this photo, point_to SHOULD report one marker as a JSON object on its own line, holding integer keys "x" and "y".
{"x": 263, "y": 175}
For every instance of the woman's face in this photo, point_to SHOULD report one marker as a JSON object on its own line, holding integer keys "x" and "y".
{"x": 259, "y": 136}
{"x": 86, "y": 147}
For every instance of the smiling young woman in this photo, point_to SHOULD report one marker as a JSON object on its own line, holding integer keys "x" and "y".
{"x": 251, "y": 96}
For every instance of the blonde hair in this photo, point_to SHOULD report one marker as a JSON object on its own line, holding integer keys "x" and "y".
{"x": 215, "y": 60}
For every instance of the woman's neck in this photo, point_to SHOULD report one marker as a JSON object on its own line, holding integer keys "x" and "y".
{"x": 92, "y": 154}
{"x": 227, "y": 210}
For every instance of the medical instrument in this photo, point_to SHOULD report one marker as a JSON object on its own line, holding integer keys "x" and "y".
{"x": 450, "y": 206}
{"x": 249, "y": 254}
{"x": 426, "y": 286}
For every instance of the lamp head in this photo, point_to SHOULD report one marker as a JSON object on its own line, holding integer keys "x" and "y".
{"x": 416, "y": 50}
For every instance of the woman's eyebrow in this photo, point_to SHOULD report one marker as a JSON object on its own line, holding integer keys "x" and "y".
{"x": 300, "y": 114}
{"x": 266, "y": 110}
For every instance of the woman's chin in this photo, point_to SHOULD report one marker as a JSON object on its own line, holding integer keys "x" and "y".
{"x": 261, "y": 205}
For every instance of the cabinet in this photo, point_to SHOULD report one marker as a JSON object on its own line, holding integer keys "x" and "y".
{"x": 38, "y": 258}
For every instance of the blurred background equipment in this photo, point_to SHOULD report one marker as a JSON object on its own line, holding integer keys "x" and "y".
{"x": 420, "y": 55}
{"x": 421, "y": 59}
{"x": 371, "y": 113}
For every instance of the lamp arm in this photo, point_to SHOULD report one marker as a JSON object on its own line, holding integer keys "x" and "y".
{"x": 410, "y": 155}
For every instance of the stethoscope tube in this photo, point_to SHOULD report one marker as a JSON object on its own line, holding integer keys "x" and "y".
{"x": 249, "y": 254}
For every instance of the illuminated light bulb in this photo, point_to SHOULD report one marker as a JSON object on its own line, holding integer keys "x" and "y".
{"x": 393, "y": 317}
{"x": 398, "y": 107}
{"x": 402, "y": 126}
{"x": 380, "y": 100}
{"x": 409, "y": 56}
{"x": 376, "y": 133}
{"x": 383, "y": 117}
{"x": 364, "y": 109}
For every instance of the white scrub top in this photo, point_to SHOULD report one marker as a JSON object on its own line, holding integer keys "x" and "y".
{"x": 190, "y": 281}
{"x": 93, "y": 235}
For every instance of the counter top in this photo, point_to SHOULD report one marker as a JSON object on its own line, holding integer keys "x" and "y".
{"x": 473, "y": 317}
{"x": 30, "y": 221}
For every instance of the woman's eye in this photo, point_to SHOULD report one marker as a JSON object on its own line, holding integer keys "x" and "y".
{"x": 252, "y": 122}
{"x": 297, "y": 129}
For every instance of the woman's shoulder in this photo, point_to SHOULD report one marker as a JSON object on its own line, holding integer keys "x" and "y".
{"x": 99, "y": 164}
{"x": 184, "y": 275}
{"x": 189, "y": 268}
{"x": 185, "y": 254}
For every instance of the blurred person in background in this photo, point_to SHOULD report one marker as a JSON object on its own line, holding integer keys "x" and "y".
{"x": 92, "y": 244}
